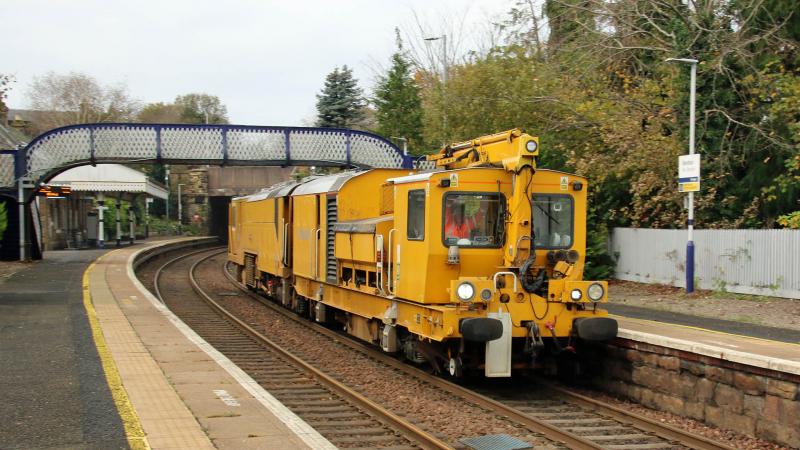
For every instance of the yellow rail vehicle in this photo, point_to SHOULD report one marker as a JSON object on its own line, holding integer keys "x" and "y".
{"x": 478, "y": 264}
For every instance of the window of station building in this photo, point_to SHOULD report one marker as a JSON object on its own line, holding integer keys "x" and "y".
{"x": 416, "y": 215}
{"x": 473, "y": 219}
{"x": 553, "y": 218}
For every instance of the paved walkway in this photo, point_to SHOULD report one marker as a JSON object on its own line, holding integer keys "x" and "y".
{"x": 53, "y": 392}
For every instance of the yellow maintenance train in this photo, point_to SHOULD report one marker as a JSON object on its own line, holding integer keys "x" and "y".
{"x": 475, "y": 265}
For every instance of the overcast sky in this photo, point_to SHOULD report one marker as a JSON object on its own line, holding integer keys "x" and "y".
{"x": 266, "y": 60}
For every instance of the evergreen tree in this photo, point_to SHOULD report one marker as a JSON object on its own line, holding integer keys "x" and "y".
{"x": 340, "y": 103}
{"x": 398, "y": 103}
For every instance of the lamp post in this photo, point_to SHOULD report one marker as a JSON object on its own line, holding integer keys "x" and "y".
{"x": 690, "y": 221}
{"x": 444, "y": 82}
{"x": 180, "y": 209}
{"x": 147, "y": 202}
{"x": 405, "y": 143}
{"x": 166, "y": 183}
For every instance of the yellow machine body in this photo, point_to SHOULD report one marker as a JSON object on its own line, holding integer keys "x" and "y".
{"x": 403, "y": 259}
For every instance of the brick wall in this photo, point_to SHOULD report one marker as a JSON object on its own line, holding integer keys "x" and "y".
{"x": 750, "y": 400}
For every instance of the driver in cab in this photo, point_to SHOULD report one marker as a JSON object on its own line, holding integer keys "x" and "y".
{"x": 456, "y": 225}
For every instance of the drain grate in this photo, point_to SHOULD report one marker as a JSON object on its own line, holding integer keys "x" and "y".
{"x": 495, "y": 442}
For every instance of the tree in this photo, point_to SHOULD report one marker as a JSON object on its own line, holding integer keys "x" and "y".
{"x": 5, "y": 86}
{"x": 201, "y": 108}
{"x": 77, "y": 98}
{"x": 398, "y": 103}
{"x": 340, "y": 103}
{"x": 189, "y": 108}
{"x": 160, "y": 113}
{"x": 3, "y": 219}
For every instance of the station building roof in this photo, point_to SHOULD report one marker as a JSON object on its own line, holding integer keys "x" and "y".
{"x": 109, "y": 178}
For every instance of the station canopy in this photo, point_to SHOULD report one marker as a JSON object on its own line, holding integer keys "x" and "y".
{"x": 109, "y": 178}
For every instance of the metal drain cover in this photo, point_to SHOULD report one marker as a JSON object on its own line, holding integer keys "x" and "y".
{"x": 228, "y": 294}
{"x": 495, "y": 442}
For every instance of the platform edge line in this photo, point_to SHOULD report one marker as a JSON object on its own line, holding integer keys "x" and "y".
{"x": 134, "y": 432}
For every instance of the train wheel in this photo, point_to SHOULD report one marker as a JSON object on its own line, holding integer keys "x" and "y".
{"x": 301, "y": 306}
{"x": 455, "y": 367}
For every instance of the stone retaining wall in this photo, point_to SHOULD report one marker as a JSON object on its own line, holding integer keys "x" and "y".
{"x": 750, "y": 400}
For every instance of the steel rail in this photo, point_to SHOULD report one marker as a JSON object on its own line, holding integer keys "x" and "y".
{"x": 636, "y": 420}
{"x": 572, "y": 440}
{"x": 411, "y": 431}
{"x": 157, "y": 276}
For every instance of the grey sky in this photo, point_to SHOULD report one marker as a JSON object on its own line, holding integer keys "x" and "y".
{"x": 266, "y": 60}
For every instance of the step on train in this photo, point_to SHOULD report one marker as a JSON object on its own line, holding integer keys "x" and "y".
{"x": 475, "y": 266}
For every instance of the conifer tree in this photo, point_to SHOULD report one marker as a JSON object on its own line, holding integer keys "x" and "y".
{"x": 340, "y": 103}
{"x": 397, "y": 100}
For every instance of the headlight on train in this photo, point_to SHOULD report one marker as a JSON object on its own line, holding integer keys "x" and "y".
{"x": 531, "y": 146}
{"x": 465, "y": 291}
{"x": 595, "y": 292}
{"x": 575, "y": 295}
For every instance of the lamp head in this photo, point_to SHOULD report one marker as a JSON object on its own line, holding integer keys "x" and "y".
{"x": 682, "y": 60}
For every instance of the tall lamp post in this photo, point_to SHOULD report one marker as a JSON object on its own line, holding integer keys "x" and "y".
{"x": 405, "y": 143}
{"x": 180, "y": 209}
{"x": 444, "y": 82}
{"x": 690, "y": 221}
{"x": 166, "y": 183}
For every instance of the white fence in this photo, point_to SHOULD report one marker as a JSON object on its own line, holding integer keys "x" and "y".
{"x": 763, "y": 262}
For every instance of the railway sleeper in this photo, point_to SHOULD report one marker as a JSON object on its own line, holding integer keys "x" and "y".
{"x": 619, "y": 437}
{"x": 322, "y": 424}
{"x": 322, "y": 409}
{"x": 578, "y": 421}
{"x": 298, "y": 403}
{"x": 301, "y": 391}
{"x": 388, "y": 436}
{"x": 310, "y": 416}
{"x": 650, "y": 446}
{"x": 604, "y": 429}
{"x": 357, "y": 431}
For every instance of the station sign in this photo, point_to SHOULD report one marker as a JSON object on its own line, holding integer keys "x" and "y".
{"x": 689, "y": 173}
{"x": 54, "y": 191}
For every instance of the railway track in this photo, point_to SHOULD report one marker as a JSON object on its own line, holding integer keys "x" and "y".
{"x": 559, "y": 414}
{"x": 343, "y": 416}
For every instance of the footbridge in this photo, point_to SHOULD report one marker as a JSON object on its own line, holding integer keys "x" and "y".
{"x": 62, "y": 148}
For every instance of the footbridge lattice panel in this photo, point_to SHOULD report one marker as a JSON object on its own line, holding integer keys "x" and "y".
{"x": 75, "y": 145}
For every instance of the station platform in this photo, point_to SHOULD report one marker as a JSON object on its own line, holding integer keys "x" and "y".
{"x": 710, "y": 337}
{"x": 97, "y": 362}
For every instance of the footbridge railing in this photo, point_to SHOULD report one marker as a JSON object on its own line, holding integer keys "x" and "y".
{"x": 62, "y": 148}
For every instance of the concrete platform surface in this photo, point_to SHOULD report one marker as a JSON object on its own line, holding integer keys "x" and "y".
{"x": 764, "y": 353}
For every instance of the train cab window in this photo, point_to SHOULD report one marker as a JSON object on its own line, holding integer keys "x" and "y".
{"x": 416, "y": 215}
{"x": 473, "y": 219}
{"x": 553, "y": 218}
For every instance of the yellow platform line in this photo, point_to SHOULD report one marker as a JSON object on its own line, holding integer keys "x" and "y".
{"x": 130, "y": 421}
{"x": 691, "y": 327}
